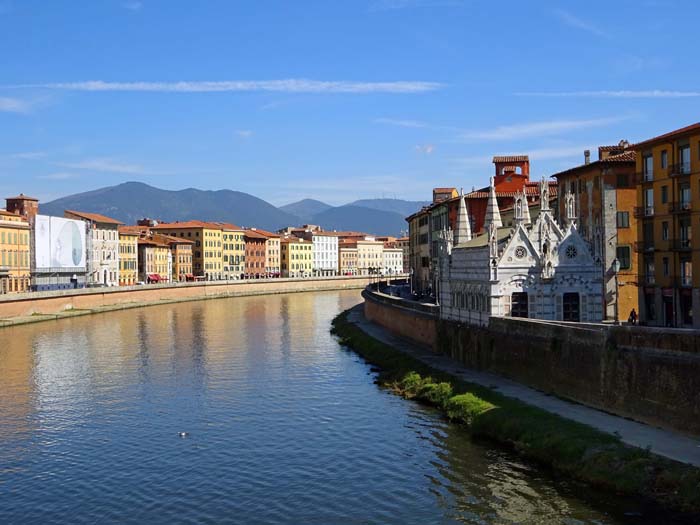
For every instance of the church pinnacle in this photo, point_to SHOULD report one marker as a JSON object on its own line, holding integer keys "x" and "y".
{"x": 493, "y": 214}
{"x": 463, "y": 232}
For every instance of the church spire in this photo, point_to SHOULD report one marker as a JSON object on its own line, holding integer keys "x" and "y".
{"x": 493, "y": 214}
{"x": 522, "y": 210}
{"x": 463, "y": 232}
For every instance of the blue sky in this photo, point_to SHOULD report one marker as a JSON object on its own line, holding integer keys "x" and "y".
{"x": 334, "y": 100}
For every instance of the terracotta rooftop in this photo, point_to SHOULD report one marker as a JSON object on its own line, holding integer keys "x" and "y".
{"x": 265, "y": 233}
{"x": 22, "y": 196}
{"x": 252, "y": 234}
{"x": 443, "y": 190}
{"x": 132, "y": 230}
{"x": 194, "y": 224}
{"x": 511, "y": 158}
{"x": 628, "y": 156}
{"x": 94, "y": 217}
{"x": 671, "y": 134}
{"x": 531, "y": 188}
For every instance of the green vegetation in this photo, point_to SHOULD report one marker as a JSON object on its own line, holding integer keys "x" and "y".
{"x": 570, "y": 448}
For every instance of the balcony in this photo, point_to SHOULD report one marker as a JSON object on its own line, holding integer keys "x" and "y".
{"x": 644, "y": 246}
{"x": 644, "y": 176}
{"x": 680, "y": 170}
{"x": 643, "y": 211}
{"x": 681, "y": 245}
{"x": 679, "y": 207}
{"x": 649, "y": 279}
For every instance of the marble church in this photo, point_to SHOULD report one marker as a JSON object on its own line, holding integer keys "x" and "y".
{"x": 540, "y": 270}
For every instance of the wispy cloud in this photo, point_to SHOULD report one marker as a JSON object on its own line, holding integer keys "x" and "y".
{"x": 28, "y": 155}
{"x": 425, "y": 149}
{"x": 292, "y": 85}
{"x": 14, "y": 105}
{"x": 401, "y": 123}
{"x": 537, "y": 129}
{"x": 574, "y": 21}
{"x": 653, "y": 93}
{"x": 104, "y": 165}
{"x": 549, "y": 153}
{"x": 244, "y": 133}
{"x": 391, "y": 5}
{"x": 61, "y": 175}
{"x": 133, "y": 5}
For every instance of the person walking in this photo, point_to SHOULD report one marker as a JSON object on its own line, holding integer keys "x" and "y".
{"x": 633, "y": 317}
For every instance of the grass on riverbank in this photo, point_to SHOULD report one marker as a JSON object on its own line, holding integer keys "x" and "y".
{"x": 571, "y": 448}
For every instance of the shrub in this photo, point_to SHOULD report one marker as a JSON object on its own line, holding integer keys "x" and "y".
{"x": 465, "y": 407}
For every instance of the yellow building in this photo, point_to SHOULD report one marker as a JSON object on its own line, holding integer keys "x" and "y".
{"x": 297, "y": 257}
{"x": 369, "y": 256}
{"x": 347, "y": 258}
{"x": 668, "y": 202}
{"x": 207, "y": 249}
{"x": 181, "y": 250}
{"x": 14, "y": 253}
{"x": 233, "y": 249}
{"x": 128, "y": 255}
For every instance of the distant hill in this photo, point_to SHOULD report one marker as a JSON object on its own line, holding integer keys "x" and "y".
{"x": 358, "y": 218}
{"x": 131, "y": 201}
{"x": 402, "y": 207}
{"x": 305, "y": 209}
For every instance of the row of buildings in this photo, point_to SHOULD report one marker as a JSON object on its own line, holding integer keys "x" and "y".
{"x": 633, "y": 207}
{"x": 39, "y": 252}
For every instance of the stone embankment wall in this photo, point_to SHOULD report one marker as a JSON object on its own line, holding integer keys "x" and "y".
{"x": 17, "y": 307}
{"x": 411, "y": 320}
{"x": 647, "y": 374}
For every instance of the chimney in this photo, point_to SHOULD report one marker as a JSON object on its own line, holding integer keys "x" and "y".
{"x": 587, "y": 156}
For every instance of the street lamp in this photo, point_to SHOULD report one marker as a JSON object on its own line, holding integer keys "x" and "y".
{"x": 616, "y": 270}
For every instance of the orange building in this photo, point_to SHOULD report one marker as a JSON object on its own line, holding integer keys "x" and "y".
{"x": 668, "y": 204}
{"x": 605, "y": 196}
{"x": 254, "y": 254}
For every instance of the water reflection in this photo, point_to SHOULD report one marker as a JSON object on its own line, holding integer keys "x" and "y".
{"x": 284, "y": 427}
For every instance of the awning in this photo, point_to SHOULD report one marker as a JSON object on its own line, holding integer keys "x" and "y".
{"x": 154, "y": 277}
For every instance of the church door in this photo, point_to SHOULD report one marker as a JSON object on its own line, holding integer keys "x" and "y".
{"x": 518, "y": 304}
{"x": 572, "y": 308}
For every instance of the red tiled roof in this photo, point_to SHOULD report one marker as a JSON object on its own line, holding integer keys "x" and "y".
{"x": 132, "y": 230}
{"x": 266, "y": 233}
{"x": 22, "y": 196}
{"x": 444, "y": 190}
{"x": 531, "y": 188}
{"x": 511, "y": 158}
{"x": 94, "y": 217}
{"x": 628, "y": 156}
{"x": 195, "y": 224}
{"x": 252, "y": 234}
{"x": 670, "y": 134}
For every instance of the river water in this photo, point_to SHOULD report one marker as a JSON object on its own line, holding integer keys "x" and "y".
{"x": 282, "y": 426}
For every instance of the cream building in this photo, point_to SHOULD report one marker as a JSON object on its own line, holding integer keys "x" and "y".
{"x": 392, "y": 261}
{"x": 102, "y": 247}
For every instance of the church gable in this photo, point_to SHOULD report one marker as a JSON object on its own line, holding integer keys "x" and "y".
{"x": 574, "y": 250}
{"x": 519, "y": 250}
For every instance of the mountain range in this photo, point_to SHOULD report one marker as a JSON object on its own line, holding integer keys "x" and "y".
{"x": 131, "y": 201}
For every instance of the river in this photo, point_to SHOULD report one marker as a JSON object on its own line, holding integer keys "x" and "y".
{"x": 280, "y": 425}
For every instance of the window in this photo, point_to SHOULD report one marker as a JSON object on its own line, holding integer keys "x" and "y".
{"x": 664, "y": 231}
{"x": 623, "y": 254}
{"x": 684, "y": 158}
{"x": 648, "y": 167}
{"x": 623, "y": 180}
{"x": 664, "y": 194}
{"x": 664, "y": 159}
{"x": 665, "y": 266}
{"x": 649, "y": 201}
{"x": 685, "y": 196}
{"x": 623, "y": 219}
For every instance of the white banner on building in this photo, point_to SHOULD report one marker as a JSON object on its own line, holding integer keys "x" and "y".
{"x": 59, "y": 243}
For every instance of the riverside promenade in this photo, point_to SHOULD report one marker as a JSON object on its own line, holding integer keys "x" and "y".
{"x": 16, "y": 309}
{"x": 662, "y": 442}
